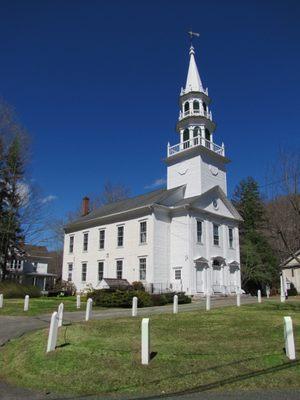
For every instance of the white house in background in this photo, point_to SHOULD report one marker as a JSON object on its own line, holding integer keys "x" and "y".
{"x": 291, "y": 271}
{"x": 182, "y": 238}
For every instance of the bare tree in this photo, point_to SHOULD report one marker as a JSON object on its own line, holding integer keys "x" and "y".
{"x": 283, "y": 205}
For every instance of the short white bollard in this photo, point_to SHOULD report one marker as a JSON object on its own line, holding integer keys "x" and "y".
{"x": 134, "y": 306}
{"x": 52, "y": 337}
{"x": 207, "y": 302}
{"x": 26, "y": 303}
{"x": 88, "y": 313}
{"x": 145, "y": 341}
{"x": 289, "y": 338}
{"x": 78, "y": 301}
{"x": 175, "y": 304}
{"x": 282, "y": 292}
{"x": 60, "y": 314}
{"x": 1, "y": 300}
{"x": 238, "y": 299}
{"x": 268, "y": 292}
{"x": 259, "y": 296}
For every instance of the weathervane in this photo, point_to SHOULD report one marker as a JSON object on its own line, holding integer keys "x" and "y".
{"x": 192, "y": 35}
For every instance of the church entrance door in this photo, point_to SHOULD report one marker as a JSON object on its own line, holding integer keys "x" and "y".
{"x": 200, "y": 273}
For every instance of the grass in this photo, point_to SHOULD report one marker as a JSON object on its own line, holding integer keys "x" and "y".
{"x": 41, "y": 305}
{"x": 224, "y": 349}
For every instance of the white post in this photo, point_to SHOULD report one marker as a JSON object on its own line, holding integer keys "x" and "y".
{"x": 134, "y": 306}
{"x": 175, "y": 304}
{"x": 238, "y": 299}
{"x": 282, "y": 292}
{"x": 1, "y": 300}
{"x": 207, "y": 302}
{"x": 78, "y": 301}
{"x": 52, "y": 337}
{"x": 60, "y": 314}
{"x": 289, "y": 338}
{"x": 268, "y": 292}
{"x": 88, "y": 313}
{"x": 145, "y": 341}
{"x": 259, "y": 296}
{"x": 26, "y": 303}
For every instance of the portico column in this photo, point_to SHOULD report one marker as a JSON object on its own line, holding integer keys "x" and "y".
{"x": 44, "y": 285}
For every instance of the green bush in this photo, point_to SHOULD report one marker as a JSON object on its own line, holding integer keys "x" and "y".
{"x": 14, "y": 290}
{"x": 159, "y": 299}
{"x": 292, "y": 291}
{"x": 183, "y": 298}
{"x": 120, "y": 298}
{"x": 138, "y": 285}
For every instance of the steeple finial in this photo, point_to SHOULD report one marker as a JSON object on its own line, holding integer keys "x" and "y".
{"x": 193, "y": 81}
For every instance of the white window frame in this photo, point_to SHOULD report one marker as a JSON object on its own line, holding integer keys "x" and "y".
{"x": 70, "y": 271}
{"x": 71, "y": 238}
{"x": 216, "y": 236}
{"x": 85, "y": 234}
{"x": 176, "y": 271}
{"x": 120, "y": 236}
{"x": 120, "y": 260}
{"x": 84, "y": 272}
{"x": 197, "y": 238}
{"x": 103, "y": 267}
{"x": 143, "y": 234}
{"x": 102, "y": 230}
{"x": 144, "y": 268}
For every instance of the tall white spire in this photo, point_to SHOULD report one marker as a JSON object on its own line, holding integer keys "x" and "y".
{"x": 193, "y": 81}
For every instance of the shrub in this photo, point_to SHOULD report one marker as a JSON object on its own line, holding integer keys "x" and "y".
{"x": 14, "y": 290}
{"x": 137, "y": 285}
{"x": 159, "y": 299}
{"x": 292, "y": 291}
{"x": 183, "y": 298}
{"x": 120, "y": 298}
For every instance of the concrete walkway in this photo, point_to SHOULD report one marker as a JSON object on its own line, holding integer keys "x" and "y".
{"x": 13, "y": 327}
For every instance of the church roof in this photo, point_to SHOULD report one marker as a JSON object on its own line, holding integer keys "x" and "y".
{"x": 193, "y": 81}
{"x": 159, "y": 196}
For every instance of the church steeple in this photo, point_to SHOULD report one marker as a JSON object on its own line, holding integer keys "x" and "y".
{"x": 193, "y": 81}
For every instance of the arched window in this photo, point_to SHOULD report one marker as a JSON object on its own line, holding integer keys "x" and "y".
{"x": 204, "y": 107}
{"x": 186, "y": 108}
{"x": 186, "y": 138}
{"x": 196, "y": 106}
{"x": 196, "y": 134}
{"x": 207, "y": 137}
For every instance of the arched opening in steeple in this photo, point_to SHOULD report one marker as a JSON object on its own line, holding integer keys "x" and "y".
{"x": 207, "y": 137}
{"x": 186, "y": 138}
{"x": 196, "y": 134}
{"x": 186, "y": 108}
{"x": 204, "y": 107}
{"x": 196, "y": 106}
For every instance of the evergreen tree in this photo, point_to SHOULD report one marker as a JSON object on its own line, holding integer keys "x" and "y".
{"x": 259, "y": 266}
{"x": 12, "y": 172}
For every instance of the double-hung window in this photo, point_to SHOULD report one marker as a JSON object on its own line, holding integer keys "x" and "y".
{"x": 143, "y": 232}
{"x": 230, "y": 237}
{"x": 100, "y": 270}
{"x": 71, "y": 244}
{"x": 119, "y": 269}
{"x": 85, "y": 241}
{"x": 101, "y": 239}
{"x": 70, "y": 270}
{"x": 199, "y": 231}
{"x": 83, "y": 272}
{"x": 177, "y": 274}
{"x": 120, "y": 238}
{"x": 143, "y": 267}
{"x": 216, "y": 235}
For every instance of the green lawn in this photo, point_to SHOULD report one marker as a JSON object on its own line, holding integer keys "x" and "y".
{"x": 41, "y": 305}
{"x": 223, "y": 349}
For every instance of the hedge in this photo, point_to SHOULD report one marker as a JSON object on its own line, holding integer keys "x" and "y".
{"x": 123, "y": 298}
{"x": 14, "y": 290}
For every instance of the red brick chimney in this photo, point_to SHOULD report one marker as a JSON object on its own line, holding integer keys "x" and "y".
{"x": 85, "y": 206}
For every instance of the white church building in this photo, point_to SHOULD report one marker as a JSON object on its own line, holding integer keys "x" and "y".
{"x": 182, "y": 238}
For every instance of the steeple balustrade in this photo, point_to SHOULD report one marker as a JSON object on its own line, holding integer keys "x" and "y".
{"x": 193, "y": 112}
{"x": 196, "y": 141}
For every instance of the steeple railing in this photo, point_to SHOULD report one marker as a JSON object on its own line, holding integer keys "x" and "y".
{"x": 196, "y": 141}
{"x": 191, "y": 113}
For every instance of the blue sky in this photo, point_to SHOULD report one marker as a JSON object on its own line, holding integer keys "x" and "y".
{"x": 96, "y": 83}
